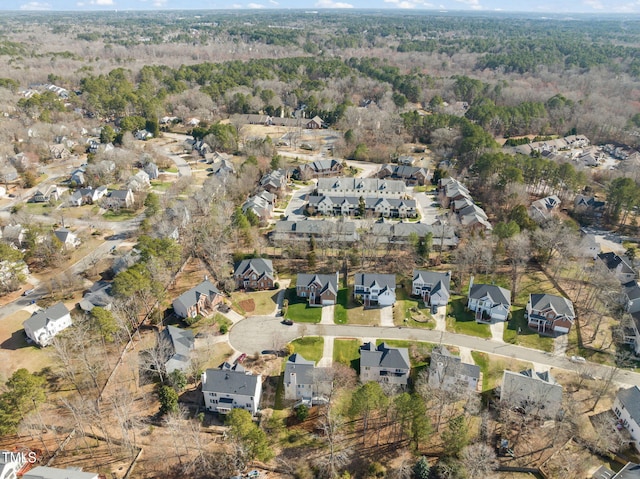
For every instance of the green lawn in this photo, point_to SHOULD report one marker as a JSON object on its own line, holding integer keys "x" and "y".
{"x": 350, "y": 311}
{"x": 492, "y": 368}
{"x": 299, "y": 309}
{"x": 461, "y": 321}
{"x": 411, "y": 312}
{"x": 347, "y": 351}
{"x": 527, "y": 337}
{"x": 419, "y": 351}
{"x": 173, "y": 169}
{"x": 122, "y": 215}
{"x": 38, "y": 208}
{"x": 161, "y": 185}
{"x": 264, "y": 302}
{"x": 310, "y": 347}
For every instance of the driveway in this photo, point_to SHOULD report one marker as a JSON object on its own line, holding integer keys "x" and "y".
{"x": 497, "y": 331}
{"x": 183, "y": 167}
{"x": 327, "y": 314}
{"x": 295, "y": 209}
{"x": 424, "y": 203}
{"x": 327, "y": 353}
{"x": 386, "y": 317}
{"x": 441, "y": 319}
{"x": 257, "y": 333}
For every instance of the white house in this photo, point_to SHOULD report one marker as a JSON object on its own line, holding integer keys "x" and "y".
{"x": 432, "y": 286}
{"x": 375, "y": 289}
{"x": 489, "y": 302}
{"x": 66, "y": 237}
{"x": 43, "y": 326}
{"x": 627, "y": 407}
{"x": 231, "y": 387}
{"x": 303, "y": 381}
{"x": 384, "y": 364}
{"x": 618, "y": 266}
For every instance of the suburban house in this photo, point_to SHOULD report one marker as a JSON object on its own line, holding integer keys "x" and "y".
{"x": 588, "y": 205}
{"x": 231, "y": 387}
{"x": 42, "y": 326}
{"x": 411, "y": 175}
{"x": 547, "y": 313}
{"x": 351, "y": 205}
{"x": 361, "y": 187}
{"x": 48, "y": 193}
{"x": 222, "y": 166}
{"x": 448, "y": 372}
{"x": 151, "y": 169}
{"x": 175, "y": 345}
{"x": 314, "y": 124}
{"x": 489, "y": 302}
{"x": 66, "y": 237}
{"x": 543, "y": 209}
{"x": 318, "y": 169}
{"x": 139, "y": 181}
{"x": 375, "y": 289}
{"x": 99, "y": 295}
{"x": 443, "y": 236}
{"x": 303, "y": 381}
{"x": 618, "y": 266}
{"x": 536, "y": 393}
{"x": 324, "y": 231}
{"x": 432, "y": 286}
{"x": 384, "y": 364}
{"x": 255, "y": 273}
{"x": 261, "y": 205}
{"x": 120, "y": 199}
{"x": 275, "y": 181}
{"x": 453, "y": 194}
{"x": 198, "y": 300}
{"x": 588, "y": 247}
{"x": 631, "y": 470}
{"x": 14, "y": 234}
{"x": 406, "y": 160}
{"x": 320, "y": 289}
{"x": 43, "y": 472}
{"x": 59, "y": 152}
{"x": 86, "y": 196}
{"x": 626, "y": 407}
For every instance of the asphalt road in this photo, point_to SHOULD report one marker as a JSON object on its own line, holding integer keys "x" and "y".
{"x": 258, "y": 333}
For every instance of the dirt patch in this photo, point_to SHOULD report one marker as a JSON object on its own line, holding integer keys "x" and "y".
{"x": 248, "y": 305}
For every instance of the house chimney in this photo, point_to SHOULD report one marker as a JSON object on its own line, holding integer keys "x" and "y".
{"x": 470, "y": 283}
{"x": 206, "y": 277}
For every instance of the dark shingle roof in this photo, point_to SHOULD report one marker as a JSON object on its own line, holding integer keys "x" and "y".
{"x": 259, "y": 265}
{"x": 326, "y": 281}
{"x": 384, "y": 356}
{"x": 230, "y": 380}
{"x": 438, "y": 280}
{"x": 630, "y": 399}
{"x": 302, "y": 367}
{"x": 53, "y": 313}
{"x": 560, "y": 305}
{"x": 190, "y": 297}
{"x": 369, "y": 279}
{"x": 612, "y": 260}
{"x": 497, "y": 293}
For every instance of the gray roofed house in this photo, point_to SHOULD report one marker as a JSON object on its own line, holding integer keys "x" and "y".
{"x": 14, "y": 234}
{"x": 432, "y": 286}
{"x": 304, "y": 381}
{"x": 400, "y": 233}
{"x": 66, "y": 237}
{"x": 489, "y": 302}
{"x": 274, "y": 181}
{"x": 222, "y": 166}
{"x": 324, "y": 230}
{"x": 384, "y": 364}
{"x": 537, "y": 394}
{"x": 411, "y": 175}
{"x": 231, "y": 387}
{"x": 361, "y": 187}
{"x": 176, "y": 344}
{"x": 375, "y": 289}
{"x": 151, "y": 169}
{"x": 548, "y": 313}
{"x": 618, "y": 266}
{"x": 43, "y": 472}
{"x": 43, "y": 325}
{"x": 120, "y": 199}
{"x": 320, "y": 289}
{"x": 99, "y": 295}
{"x": 255, "y": 274}
{"x": 318, "y": 168}
{"x": 198, "y": 300}
{"x": 350, "y": 205}
{"x": 448, "y": 372}
{"x": 260, "y": 204}
{"x": 630, "y": 470}
{"x": 626, "y": 407}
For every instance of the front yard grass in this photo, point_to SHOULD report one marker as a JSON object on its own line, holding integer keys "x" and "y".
{"x": 459, "y": 320}
{"x": 492, "y": 368}
{"x": 526, "y": 337}
{"x": 309, "y": 347}
{"x": 347, "y": 351}
{"x": 419, "y": 351}
{"x": 348, "y": 310}
{"x": 122, "y": 215}
{"x": 411, "y": 312}
{"x": 264, "y": 302}
{"x": 299, "y": 310}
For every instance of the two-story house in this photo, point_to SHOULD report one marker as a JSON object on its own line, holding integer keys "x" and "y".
{"x": 318, "y": 169}
{"x": 411, "y": 175}
{"x": 432, "y": 286}
{"x": 198, "y": 300}
{"x": 489, "y": 302}
{"x": 538, "y": 394}
{"x": 626, "y": 407}
{"x": 543, "y": 209}
{"x": 319, "y": 289}
{"x": 120, "y": 199}
{"x": 275, "y": 182}
{"x": 375, "y": 289}
{"x": 303, "y": 381}
{"x": 618, "y": 266}
{"x": 361, "y": 187}
{"x": 384, "y": 364}
{"x": 255, "y": 274}
{"x": 43, "y": 326}
{"x": 231, "y": 387}
{"x": 449, "y": 373}
{"x": 175, "y": 346}
{"x": 48, "y": 193}
{"x": 547, "y": 313}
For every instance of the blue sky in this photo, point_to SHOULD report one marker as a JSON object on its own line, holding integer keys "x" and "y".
{"x": 541, "y": 6}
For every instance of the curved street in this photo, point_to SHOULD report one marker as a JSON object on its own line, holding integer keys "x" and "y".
{"x": 259, "y": 333}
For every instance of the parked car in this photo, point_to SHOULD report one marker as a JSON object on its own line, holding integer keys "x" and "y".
{"x": 27, "y": 292}
{"x": 253, "y": 474}
{"x": 241, "y": 358}
{"x": 287, "y": 322}
{"x": 224, "y": 308}
{"x": 578, "y": 359}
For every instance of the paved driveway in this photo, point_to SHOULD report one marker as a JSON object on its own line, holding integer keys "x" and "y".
{"x": 295, "y": 209}
{"x": 327, "y": 353}
{"x": 386, "y": 316}
{"x": 327, "y": 314}
{"x": 497, "y": 331}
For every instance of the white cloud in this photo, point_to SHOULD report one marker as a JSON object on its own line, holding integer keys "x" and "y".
{"x": 332, "y": 4}
{"x": 35, "y": 6}
{"x": 101, "y": 2}
{"x": 409, "y": 4}
{"x": 595, "y": 4}
{"x": 255, "y": 6}
{"x": 273, "y": 2}
{"x": 474, "y": 4}
{"x": 159, "y": 3}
